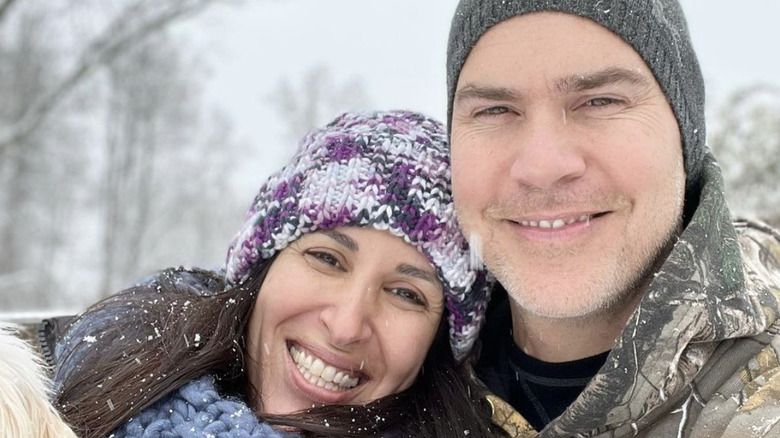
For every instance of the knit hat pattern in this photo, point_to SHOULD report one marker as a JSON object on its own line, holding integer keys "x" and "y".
{"x": 386, "y": 170}
{"x": 656, "y": 29}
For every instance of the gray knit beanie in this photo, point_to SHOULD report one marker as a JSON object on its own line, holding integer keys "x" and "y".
{"x": 656, "y": 29}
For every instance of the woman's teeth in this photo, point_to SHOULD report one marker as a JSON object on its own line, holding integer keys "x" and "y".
{"x": 318, "y": 373}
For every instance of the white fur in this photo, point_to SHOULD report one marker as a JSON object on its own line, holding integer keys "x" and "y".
{"x": 25, "y": 409}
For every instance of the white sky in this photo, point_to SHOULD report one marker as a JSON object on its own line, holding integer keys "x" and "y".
{"x": 397, "y": 49}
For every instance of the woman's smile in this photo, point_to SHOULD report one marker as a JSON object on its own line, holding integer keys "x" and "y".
{"x": 318, "y": 372}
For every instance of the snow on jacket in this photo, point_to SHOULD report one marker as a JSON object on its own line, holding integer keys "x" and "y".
{"x": 700, "y": 356}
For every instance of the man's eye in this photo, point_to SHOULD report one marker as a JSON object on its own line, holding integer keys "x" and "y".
{"x": 602, "y": 101}
{"x": 407, "y": 295}
{"x": 492, "y": 111}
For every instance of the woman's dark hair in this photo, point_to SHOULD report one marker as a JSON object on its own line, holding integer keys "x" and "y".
{"x": 153, "y": 338}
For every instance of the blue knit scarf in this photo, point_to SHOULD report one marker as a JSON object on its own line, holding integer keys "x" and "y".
{"x": 196, "y": 410}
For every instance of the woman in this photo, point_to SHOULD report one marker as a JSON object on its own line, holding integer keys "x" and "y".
{"x": 331, "y": 317}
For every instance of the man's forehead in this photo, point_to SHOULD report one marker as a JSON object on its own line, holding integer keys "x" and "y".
{"x": 570, "y": 53}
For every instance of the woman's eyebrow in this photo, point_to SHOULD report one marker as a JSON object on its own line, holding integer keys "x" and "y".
{"x": 416, "y": 272}
{"x": 343, "y": 240}
{"x": 404, "y": 268}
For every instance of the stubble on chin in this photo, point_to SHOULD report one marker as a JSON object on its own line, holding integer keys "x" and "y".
{"x": 624, "y": 278}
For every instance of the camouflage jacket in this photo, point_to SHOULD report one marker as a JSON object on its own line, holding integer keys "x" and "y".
{"x": 700, "y": 356}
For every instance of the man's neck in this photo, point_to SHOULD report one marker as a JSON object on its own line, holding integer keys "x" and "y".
{"x": 568, "y": 339}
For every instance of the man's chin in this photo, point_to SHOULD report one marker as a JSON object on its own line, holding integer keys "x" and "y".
{"x": 568, "y": 308}
{"x": 591, "y": 293}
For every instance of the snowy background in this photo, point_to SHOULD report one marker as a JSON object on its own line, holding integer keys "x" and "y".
{"x": 134, "y": 135}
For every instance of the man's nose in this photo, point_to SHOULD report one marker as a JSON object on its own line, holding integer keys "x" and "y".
{"x": 547, "y": 152}
{"x": 348, "y": 318}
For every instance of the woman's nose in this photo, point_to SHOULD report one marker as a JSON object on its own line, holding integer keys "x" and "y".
{"x": 348, "y": 318}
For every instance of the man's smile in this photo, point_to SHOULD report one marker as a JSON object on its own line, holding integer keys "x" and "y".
{"x": 559, "y": 221}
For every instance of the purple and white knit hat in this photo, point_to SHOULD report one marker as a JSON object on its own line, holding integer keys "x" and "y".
{"x": 386, "y": 170}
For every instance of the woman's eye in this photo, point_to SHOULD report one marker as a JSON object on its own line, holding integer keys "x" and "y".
{"x": 325, "y": 257}
{"x": 408, "y": 295}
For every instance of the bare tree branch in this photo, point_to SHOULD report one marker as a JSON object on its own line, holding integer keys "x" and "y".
{"x": 315, "y": 100}
{"x": 120, "y": 36}
{"x": 5, "y": 6}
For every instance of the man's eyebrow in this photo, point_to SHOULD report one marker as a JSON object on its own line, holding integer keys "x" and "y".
{"x": 569, "y": 84}
{"x": 472, "y": 91}
{"x": 612, "y": 75}
{"x": 342, "y": 239}
{"x": 416, "y": 272}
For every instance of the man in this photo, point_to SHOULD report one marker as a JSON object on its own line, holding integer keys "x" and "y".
{"x": 630, "y": 304}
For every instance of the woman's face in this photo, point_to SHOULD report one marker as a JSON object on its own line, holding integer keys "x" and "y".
{"x": 344, "y": 316}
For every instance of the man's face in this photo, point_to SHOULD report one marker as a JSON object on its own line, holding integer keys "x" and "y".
{"x": 567, "y": 163}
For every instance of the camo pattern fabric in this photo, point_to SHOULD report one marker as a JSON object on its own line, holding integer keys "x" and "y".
{"x": 699, "y": 356}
